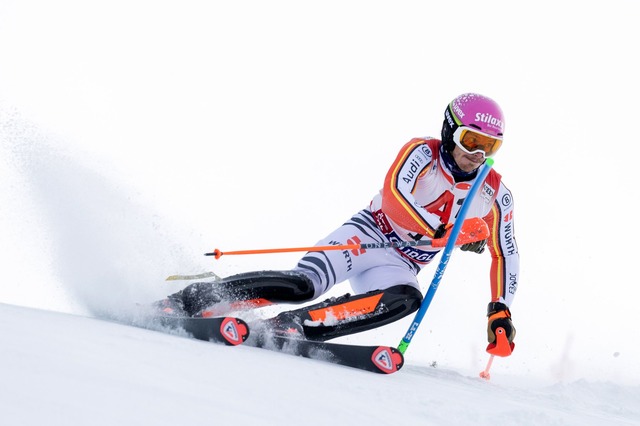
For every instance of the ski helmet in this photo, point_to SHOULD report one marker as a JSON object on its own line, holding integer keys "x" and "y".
{"x": 474, "y": 111}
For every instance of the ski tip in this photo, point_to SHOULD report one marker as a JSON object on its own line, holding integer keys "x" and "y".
{"x": 234, "y": 331}
{"x": 387, "y": 359}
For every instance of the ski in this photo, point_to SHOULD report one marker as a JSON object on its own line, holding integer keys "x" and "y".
{"x": 234, "y": 331}
{"x": 376, "y": 359}
{"x": 228, "y": 330}
{"x": 212, "y": 275}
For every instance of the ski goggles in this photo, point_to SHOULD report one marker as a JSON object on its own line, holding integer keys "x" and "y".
{"x": 472, "y": 141}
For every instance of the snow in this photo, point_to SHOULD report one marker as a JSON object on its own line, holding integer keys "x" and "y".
{"x": 63, "y": 369}
{"x": 136, "y": 136}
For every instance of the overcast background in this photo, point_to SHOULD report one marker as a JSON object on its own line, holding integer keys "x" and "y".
{"x": 138, "y": 135}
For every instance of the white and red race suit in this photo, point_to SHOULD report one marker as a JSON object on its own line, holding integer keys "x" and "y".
{"x": 419, "y": 194}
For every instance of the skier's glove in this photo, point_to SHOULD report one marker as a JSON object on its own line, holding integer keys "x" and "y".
{"x": 499, "y": 316}
{"x": 476, "y": 247}
{"x": 441, "y": 231}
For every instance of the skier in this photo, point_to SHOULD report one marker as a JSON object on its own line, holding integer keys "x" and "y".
{"x": 421, "y": 196}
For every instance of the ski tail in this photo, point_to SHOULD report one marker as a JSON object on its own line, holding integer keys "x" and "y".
{"x": 212, "y": 275}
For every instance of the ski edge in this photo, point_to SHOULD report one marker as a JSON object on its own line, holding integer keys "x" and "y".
{"x": 376, "y": 359}
{"x": 233, "y": 331}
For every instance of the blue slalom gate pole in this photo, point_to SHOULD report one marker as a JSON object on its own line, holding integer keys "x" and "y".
{"x": 446, "y": 254}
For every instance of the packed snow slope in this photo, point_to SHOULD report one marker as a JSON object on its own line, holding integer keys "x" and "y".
{"x": 63, "y": 369}
{"x": 137, "y": 135}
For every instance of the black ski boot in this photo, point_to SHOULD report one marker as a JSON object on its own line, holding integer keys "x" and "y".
{"x": 340, "y": 316}
{"x": 243, "y": 291}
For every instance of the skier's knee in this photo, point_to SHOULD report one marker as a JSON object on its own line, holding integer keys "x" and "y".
{"x": 275, "y": 286}
{"x": 402, "y": 300}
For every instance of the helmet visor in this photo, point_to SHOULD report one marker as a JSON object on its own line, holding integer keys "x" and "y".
{"x": 472, "y": 141}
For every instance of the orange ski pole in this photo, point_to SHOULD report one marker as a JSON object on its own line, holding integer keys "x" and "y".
{"x": 501, "y": 347}
{"x": 485, "y": 373}
{"x": 474, "y": 229}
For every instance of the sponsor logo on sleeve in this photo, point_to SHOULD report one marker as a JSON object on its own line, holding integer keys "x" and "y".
{"x": 513, "y": 284}
{"x": 412, "y": 168}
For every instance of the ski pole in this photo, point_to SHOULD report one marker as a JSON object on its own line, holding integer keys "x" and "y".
{"x": 485, "y": 373}
{"x": 501, "y": 347}
{"x": 444, "y": 260}
{"x": 473, "y": 230}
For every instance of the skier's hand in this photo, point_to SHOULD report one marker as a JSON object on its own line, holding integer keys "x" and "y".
{"x": 441, "y": 231}
{"x": 476, "y": 247}
{"x": 499, "y": 316}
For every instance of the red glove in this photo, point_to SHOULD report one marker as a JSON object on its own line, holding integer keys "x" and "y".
{"x": 499, "y": 317}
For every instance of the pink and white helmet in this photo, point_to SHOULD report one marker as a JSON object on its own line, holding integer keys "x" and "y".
{"x": 474, "y": 111}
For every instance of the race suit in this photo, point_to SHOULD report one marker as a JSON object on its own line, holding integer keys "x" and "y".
{"x": 419, "y": 194}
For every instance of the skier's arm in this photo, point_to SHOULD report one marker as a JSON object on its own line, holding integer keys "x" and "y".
{"x": 398, "y": 201}
{"x": 505, "y": 260}
{"x": 505, "y": 265}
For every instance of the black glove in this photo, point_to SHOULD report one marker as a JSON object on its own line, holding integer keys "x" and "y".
{"x": 441, "y": 231}
{"x": 499, "y": 316}
{"x": 476, "y": 247}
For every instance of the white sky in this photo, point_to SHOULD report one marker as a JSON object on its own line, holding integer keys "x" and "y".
{"x": 138, "y": 135}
